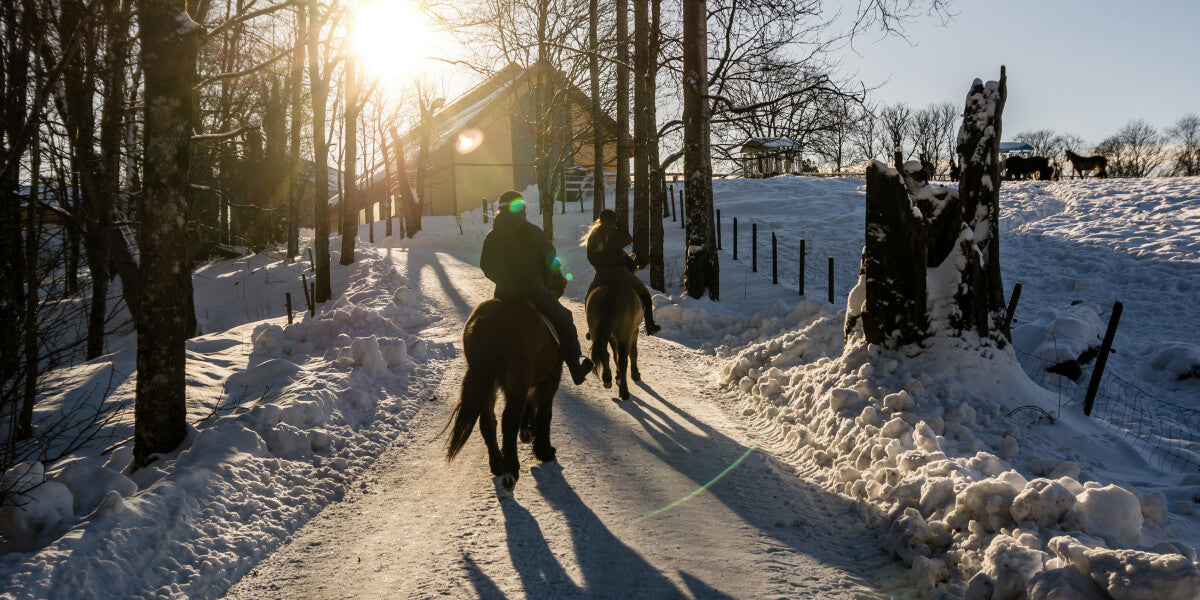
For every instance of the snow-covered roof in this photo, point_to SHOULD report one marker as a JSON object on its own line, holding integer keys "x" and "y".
{"x": 1015, "y": 147}
{"x": 770, "y": 143}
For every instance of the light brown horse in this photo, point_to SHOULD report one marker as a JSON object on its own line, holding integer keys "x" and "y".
{"x": 507, "y": 346}
{"x": 614, "y": 313}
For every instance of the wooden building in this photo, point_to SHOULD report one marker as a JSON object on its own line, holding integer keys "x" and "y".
{"x": 482, "y": 143}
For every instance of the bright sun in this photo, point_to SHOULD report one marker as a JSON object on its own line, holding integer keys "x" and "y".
{"x": 391, "y": 37}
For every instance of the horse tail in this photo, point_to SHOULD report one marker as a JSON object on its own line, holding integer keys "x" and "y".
{"x": 604, "y": 326}
{"x": 477, "y": 388}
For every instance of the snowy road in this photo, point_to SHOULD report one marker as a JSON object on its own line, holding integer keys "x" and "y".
{"x": 415, "y": 527}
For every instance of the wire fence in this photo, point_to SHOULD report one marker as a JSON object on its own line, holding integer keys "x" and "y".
{"x": 750, "y": 243}
{"x": 1166, "y": 433}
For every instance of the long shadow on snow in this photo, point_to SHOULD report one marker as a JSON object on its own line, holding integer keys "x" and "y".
{"x": 678, "y": 444}
{"x": 419, "y": 260}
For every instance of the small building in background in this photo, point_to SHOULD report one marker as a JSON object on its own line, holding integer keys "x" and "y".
{"x": 482, "y": 144}
{"x": 768, "y": 157}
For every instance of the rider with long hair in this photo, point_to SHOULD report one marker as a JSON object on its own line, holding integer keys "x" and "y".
{"x": 606, "y": 243}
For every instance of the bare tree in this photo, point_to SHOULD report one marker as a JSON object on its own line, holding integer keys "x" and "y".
{"x": 1136, "y": 150}
{"x": 1185, "y": 156}
{"x": 897, "y": 125}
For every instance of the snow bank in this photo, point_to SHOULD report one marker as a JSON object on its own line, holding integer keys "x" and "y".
{"x": 300, "y": 410}
{"x": 928, "y": 436}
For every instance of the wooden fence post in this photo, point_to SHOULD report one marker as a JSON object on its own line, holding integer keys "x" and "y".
{"x": 672, "y": 188}
{"x": 1102, "y": 359}
{"x": 802, "y": 250}
{"x": 754, "y": 247}
{"x": 774, "y": 261}
{"x": 484, "y": 209}
{"x": 1012, "y": 308}
{"x": 287, "y": 301}
{"x": 831, "y": 280}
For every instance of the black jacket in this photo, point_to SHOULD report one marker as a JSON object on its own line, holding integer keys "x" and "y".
{"x": 518, "y": 256}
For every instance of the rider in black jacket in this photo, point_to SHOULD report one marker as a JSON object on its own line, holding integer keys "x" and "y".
{"x": 519, "y": 258}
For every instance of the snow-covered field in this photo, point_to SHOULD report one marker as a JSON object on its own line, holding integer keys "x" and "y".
{"x": 287, "y": 417}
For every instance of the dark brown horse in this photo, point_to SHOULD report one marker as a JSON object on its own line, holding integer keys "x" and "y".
{"x": 1085, "y": 164}
{"x": 508, "y": 346}
{"x": 614, "y": 313}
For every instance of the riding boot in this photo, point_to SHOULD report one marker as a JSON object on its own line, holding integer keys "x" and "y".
{"x": 651, "y": 327}
{"x": 579, "y": 369}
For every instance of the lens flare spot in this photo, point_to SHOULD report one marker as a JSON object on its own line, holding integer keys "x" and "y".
{"x": 469, "y": 140}
{"x": 516, "y": 206}
{"x": 570, "y": 277}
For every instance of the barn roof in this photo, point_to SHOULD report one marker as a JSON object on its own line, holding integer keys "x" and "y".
{"x": 1015, "y": 147}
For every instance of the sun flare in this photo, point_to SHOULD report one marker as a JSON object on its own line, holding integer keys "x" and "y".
{"x": 391, "y": 37}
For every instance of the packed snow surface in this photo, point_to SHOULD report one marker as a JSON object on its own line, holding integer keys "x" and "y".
{"x": 946, "y": 452}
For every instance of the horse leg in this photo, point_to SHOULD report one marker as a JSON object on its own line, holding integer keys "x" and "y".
{"x": 487, "y": 429}
{"x": 543, "y": 399}
{"x": 527, "y": 424}
{"x": 605, "y": 372}
{"x": 510, "y": 422}
{"x": 633, "y": 369}
{"x": 622, "y": 367}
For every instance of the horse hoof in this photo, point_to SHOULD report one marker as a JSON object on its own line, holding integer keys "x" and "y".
{"x": 525, "y": 435}
{"x": 623, "y": 394}
{"x": 607, "y": 382}
{"x": 508, "y": 480}
{"x": 545, "y": 455}
{"x": 636, "y": 376}
{"x": 497, "y": 467}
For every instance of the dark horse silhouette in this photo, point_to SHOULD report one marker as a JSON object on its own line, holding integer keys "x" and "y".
{"x": 1019, "y": 167}
{"x": 508, "y": 346}
{"x": 614, "y": 313}
{"x": 1083, "y": 164}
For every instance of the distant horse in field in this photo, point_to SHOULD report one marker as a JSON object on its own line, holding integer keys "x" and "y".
{"x": 1019, "y": 167}
{"x": 1084, "y": 164}
{"x": 509, "y": 346}
{"x": 614, "y": 313}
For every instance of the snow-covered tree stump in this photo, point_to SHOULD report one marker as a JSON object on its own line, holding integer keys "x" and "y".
{"x": 931, "y": 259}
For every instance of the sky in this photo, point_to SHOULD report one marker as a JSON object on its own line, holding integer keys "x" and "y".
{"x": 1074, "y": 66}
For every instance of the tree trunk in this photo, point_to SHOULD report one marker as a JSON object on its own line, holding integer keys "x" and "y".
{"x": 979, "y": 190}
{"x": 349, "y": 200}
{"x": 24, "y": 427}
{"x": 701, "y": 271}
{"x": 913, "y": 228}
{"x": 320, "y": 96}
{"x": 387, "y": 184}
{"x": 597, "y": 112}
{"x": 296, "y": 175}
{"x": 641, "y": 130}
{"x": 16, "y": 20}
{"x": 658, "y": 187}
{"x": 895, "y": 258}
{"x": 408, "y": 206}
{"x": 621, "y": 200}
{"x": 170, "y": 44}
